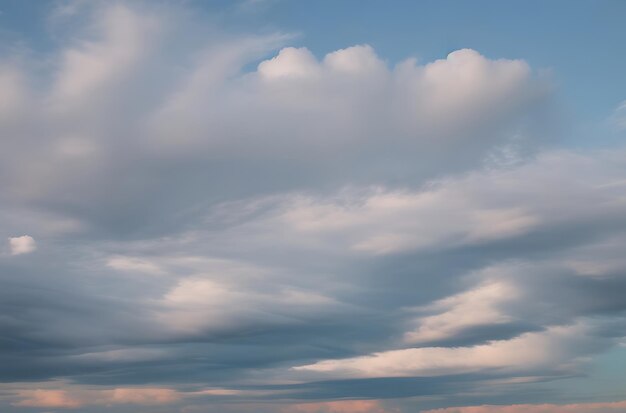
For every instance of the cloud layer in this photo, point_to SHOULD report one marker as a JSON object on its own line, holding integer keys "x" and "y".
{"x": 226, "y": 223}
{"x": 539, "y": 408}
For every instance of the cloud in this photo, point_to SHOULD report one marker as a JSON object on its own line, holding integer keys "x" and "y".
{"x": 118, "y": 103}
{"x": 133, "y": 264}
{"x": 48, "y": 398}
{"x": 342, "y": 406}
{"x": 381, "y": 222}
{"x": 75, "y": 397}
{"x": 292, "y": 278}
{"x": 544, "y": 350}
{"x": 202, "y": 304}
{"x": 290, "y": 62}
{"x": 15, "y": 94}
{"x": 478, "y": 208}
{"x": 538, "y": 408}
{"x": 22, "y": 245}
{"x": 260, "y": 272}
{"x": 474, "y": 308}
{"x": 71, "y": 396}
{"x": 92, "y": 67}
{"x": 143, "y": 396}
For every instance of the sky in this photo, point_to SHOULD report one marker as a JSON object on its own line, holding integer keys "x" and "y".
{"x": 288, "y": 206}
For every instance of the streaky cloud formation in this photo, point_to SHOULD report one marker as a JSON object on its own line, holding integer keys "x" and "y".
{"x": 539, "y": 408}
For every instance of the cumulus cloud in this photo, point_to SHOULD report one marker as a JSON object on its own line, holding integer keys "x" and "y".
{"x": 118, "y": 107}
{"x": 290, "y": 62}
{"x": 22, "y": 245}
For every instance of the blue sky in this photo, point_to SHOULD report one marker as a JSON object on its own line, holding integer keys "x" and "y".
{"x": 576, "y": 39}
{"x": 312, "y": 207}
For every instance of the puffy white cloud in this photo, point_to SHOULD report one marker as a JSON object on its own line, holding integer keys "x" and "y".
{"x": 22, "y": 245}
{"x": 355, "y": 61}
{"x": 290, "y": 62}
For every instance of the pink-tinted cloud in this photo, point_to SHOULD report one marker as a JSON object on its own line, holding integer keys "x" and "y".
{"x": 145, "y": 396}
{"x": 77, "y": 397}
{"x": 341, "y": 406}
{"x": 615, "y": 407}
{"x": 47, "y": 398}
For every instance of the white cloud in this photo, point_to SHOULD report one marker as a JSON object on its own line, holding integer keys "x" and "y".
{"x": 479, "y": 208}
{"x": 92, "y": 68}
{"x": 545, "y": 350}
{"x": 354, "y": 61}
{"x": 22, "y": 245}
{"x": 290, "y": 62}
{"x": 135, "y": 88}
{"x": 476, "y": 307}
{"x": 227, "y": 295}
